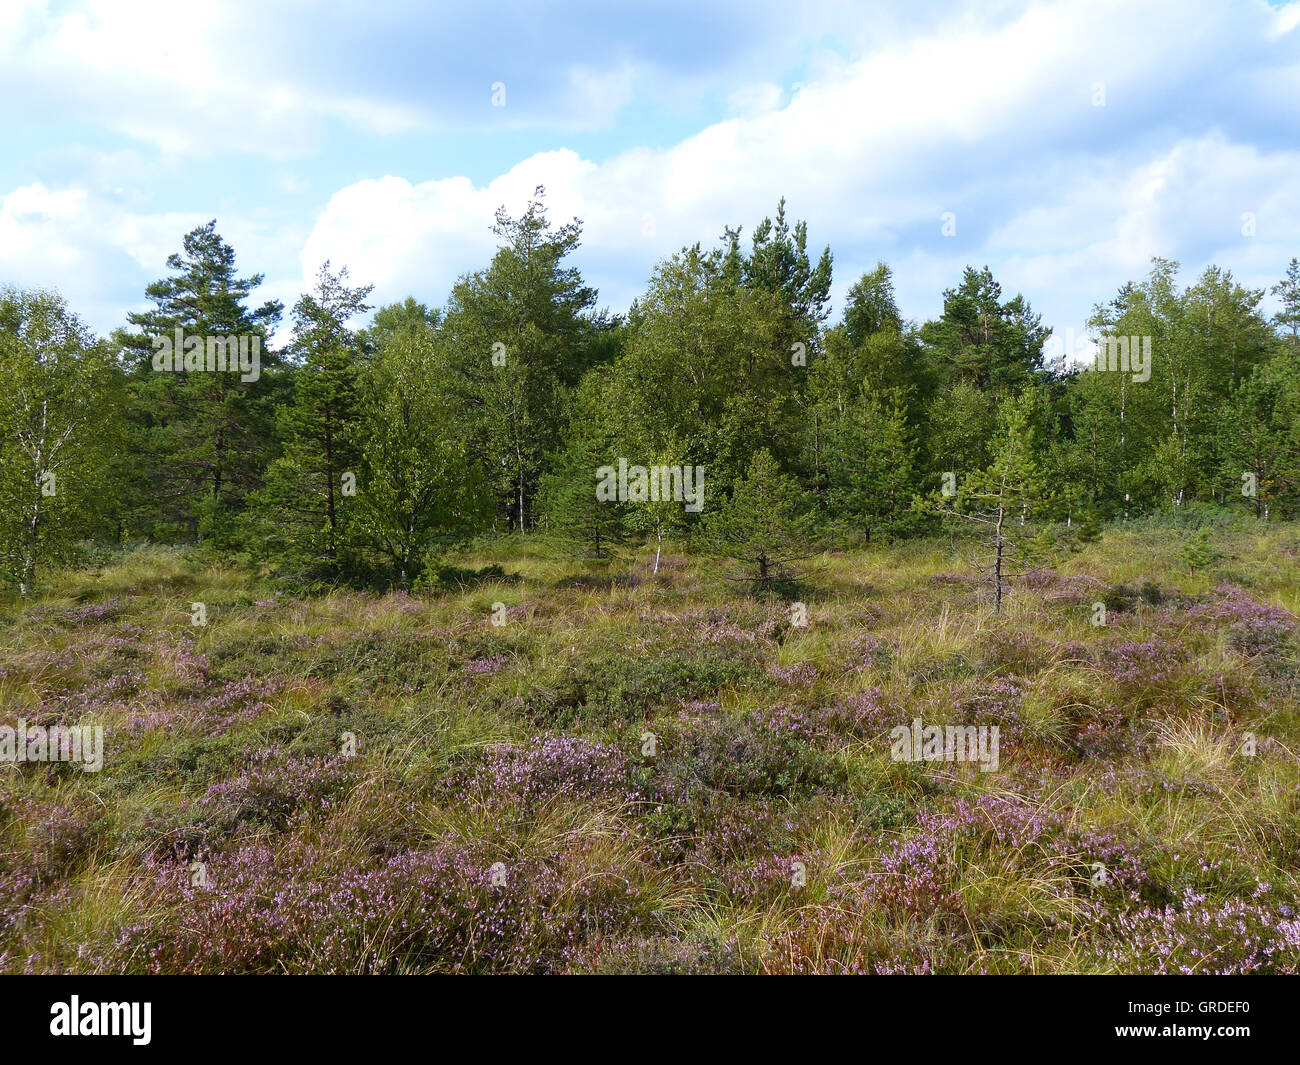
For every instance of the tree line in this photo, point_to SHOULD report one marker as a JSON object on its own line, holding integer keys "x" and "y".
{"x": 361, "y": 453}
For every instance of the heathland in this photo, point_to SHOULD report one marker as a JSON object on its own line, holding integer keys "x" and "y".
{"x": 556, "y": 764}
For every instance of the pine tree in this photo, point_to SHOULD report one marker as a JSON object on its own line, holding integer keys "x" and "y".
{"x": 778, "y": 264}
{"x": 1001, "y": 497}
{"x": 205, "y": 436}
{"x": 766, "y": 524}
{"x": 873, "y": 460}
{"x": 303, "y": 502}
{"x": 983, "y": 341}
{"x": 569, "y": 501}
{"x": 1288, "y": 318}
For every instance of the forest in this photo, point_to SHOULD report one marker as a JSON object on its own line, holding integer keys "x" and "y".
{"x": 365, "y": 447}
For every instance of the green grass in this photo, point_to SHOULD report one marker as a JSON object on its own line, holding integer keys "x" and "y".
{"x": 524, "y": 743}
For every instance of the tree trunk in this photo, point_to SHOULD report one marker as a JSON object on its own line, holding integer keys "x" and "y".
{"x": 329, "y": 485}
{"x": 997, "y": 568}
{"x": 31, "y": 534}
{"x": 519, "y": 465}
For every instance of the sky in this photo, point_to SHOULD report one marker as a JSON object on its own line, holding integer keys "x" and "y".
{"x": 1063, "y": 144}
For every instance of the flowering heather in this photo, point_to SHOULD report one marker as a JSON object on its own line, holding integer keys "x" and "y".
{"x": 53, "y": 839}
{"x": 668, "y": 776}
{"x": 1199, "y": 935}
{"x": 923, "y": 874}
{"x": 1016, "y": 652}
{"x": 801, "y": 673}
{"x": 666, "y": 955}
{"x": 272, "y": 792}
{"x": 861, "y": 715}
{"x": 551, "y": 767}
{"x": 434, "y": 909}
{"x": 1038, "y": 579}
{"x": 721, "y": 630}
{"x": 995, "y": 702}
{"x": 959, "y": 578}
{"x": 493, "y": 664}
{"x": 183, "y": 664}
{"x": 864, "y": 651}
{"x": 234, "y": 703}
{"x": 762, "y": 755}
{"x": 1141, "y": 666}
{"x": 110, "y": 609}
{"x": 753, "y": 881}
{"x": 1253, "y": 628}
{"x": 401, "y": 600}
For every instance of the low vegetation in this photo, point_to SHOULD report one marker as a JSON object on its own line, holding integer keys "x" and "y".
{"x": 542, "y": 764}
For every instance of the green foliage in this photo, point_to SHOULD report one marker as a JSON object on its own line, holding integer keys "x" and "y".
{"x": 514, "y": 339}
{"x": 304, "y": 506}
{"x": 199, "y": 433}
{"x": 61, "y": 429}
{"x": 1003, "y": 497}
{"x": 706, "y": 367}
{"x": 873, "y": 460}
{"x": 871, "y": 308}
{"x": 961, "y": 424}
{"x": 417, "y": 485}
{"x": 765, "y": 523}
{"x": 1288, "y": 318}
{"x": 1200, "y": 552}
{"x": 1256, "y": 438}
{"x": 495, "y": 412}
{"x": 983, "y": 341}
{"x": 619, "y": 689}
{"x": 665, "y": 517}
{"x": 569, "y": 502}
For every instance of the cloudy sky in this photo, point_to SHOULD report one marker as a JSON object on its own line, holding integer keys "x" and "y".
{"x": 1069, "y": 141}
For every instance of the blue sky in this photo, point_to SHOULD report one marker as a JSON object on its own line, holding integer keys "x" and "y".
{"x": 1072, "y": 140}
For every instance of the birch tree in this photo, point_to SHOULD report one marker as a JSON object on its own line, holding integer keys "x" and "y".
{"x": 60, "y": 401}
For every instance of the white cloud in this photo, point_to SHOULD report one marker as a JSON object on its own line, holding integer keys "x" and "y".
{"x": 751, "y": 100}
{"x": 100, "y": 255}
{"x": 989, "y": 116}
{"x": 69, "y": 240}
{"x": 188, "y": 78}
{"x": 995, "y": 123}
